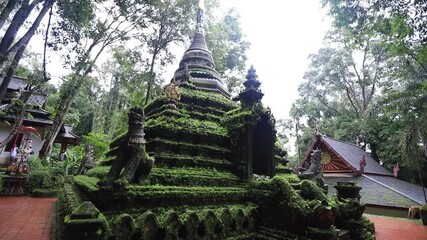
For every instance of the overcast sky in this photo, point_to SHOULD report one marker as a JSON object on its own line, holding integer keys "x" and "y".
{"x": 282, "y": 34}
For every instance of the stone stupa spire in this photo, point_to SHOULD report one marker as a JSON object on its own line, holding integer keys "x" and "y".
{"x": 201, "y": 17}
{"x": 197, "y": 64}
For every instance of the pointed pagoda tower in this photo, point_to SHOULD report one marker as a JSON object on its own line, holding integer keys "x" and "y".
{"x": 252, "y": 94}
{"x": 197, "y": 64}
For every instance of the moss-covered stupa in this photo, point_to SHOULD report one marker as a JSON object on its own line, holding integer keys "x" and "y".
{"x": 197, "y": 165}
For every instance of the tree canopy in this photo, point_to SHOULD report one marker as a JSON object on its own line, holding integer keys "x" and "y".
{"x": 370, "y": 79}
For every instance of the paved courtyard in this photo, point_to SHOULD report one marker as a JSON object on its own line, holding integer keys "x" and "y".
{"x": 26, "y": 218}
{"x": 387, "y": 228}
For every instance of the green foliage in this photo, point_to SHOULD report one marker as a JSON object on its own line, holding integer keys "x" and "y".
{"x": 228, "y": 45}
{"x": 48, "y": 179}
{"x": 368, "y": 229}
{"x": 70, "y": 165}
{"x": 99, "y": 142}
{"x": 38, "y": 164}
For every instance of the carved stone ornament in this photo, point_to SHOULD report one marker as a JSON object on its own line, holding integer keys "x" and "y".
{"x": 171, "y": 92}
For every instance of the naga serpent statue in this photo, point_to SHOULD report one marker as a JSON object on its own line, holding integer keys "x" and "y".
{"x": 131, "y": 155}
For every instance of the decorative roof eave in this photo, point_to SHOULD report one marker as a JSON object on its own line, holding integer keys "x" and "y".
{"x": 352, "y": 168}
{"x": 314, "y": 143}
{"x": 319, "y": 139}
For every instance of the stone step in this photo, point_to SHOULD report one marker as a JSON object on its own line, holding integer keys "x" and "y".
{"x": 177, "y": 160}
{"x": 136, "y": 196}
{"x": 188, "y": 134}
{"x": 191, "y": 177}
{"x": 269, "y": 233}
{"x": 185, "y": 148}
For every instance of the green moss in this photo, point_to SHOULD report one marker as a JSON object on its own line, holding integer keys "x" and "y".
{"x": 98, "y": 172}
{"x": 194, "y": 126}
{"x": 368, "y": 229}
{"x": 320, "y": 233}
{"x": 186, "y": 194}
{"x": 191, "y": 177}
{"x": 310, "y": 191}
{"x": 87, "y": 183}
{"x": 279, "y": 190}
{"x": 167, "y": 112}
{"x": 176, "y": 160}
{"x": 43, "y": 193}
{"x": 208, "y": 98}
{"x": 238, "y": 118}
{"x": 190, "y": 146}
{"x": 116, "y": 141}
{"x": 291, "y": 178}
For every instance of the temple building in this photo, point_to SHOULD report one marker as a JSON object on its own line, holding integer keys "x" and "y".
{"x": 381, "y": 190}
{"x": 36, "y": 122}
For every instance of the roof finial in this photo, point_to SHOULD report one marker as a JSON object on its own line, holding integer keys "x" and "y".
{"x": 200, "y": 17}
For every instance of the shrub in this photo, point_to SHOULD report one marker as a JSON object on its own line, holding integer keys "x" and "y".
{"x": 49, "y": 179}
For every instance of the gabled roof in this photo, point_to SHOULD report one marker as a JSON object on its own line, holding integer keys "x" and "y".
{"x": 16, "y": 83}
{"x": 349, "y": 154}
{"x": 66, "y": 135}
{"x": 352, "y": 155}
{"x": 37, "y": 99}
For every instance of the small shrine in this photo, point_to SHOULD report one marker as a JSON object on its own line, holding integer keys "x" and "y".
{"x": 195, "y": 164}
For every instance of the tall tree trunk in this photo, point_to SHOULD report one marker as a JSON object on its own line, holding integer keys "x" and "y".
{"x": 4, "y": 15}
{"x": 10, "y": 71}
{"x": 152, "y": 78}
{"x": 64, "y": 107}
{"x": 16, "y": 23}
{"x": 22, "y": 44}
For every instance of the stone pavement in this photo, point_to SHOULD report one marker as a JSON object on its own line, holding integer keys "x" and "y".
{"x": 26, "y": 218}
{"x": 387, "y": 228}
